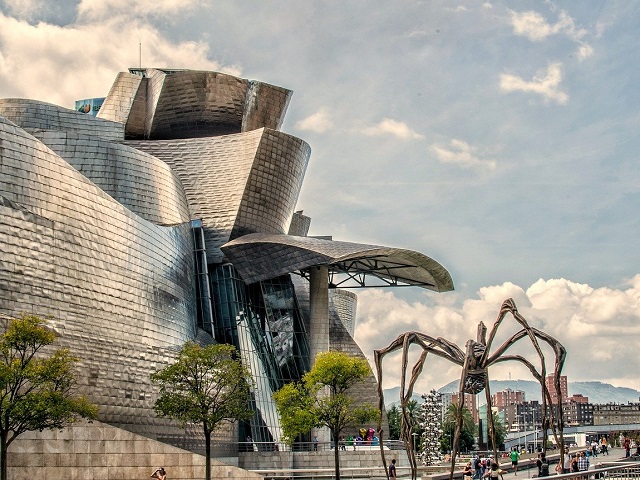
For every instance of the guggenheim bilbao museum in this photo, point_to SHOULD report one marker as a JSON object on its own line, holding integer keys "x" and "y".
{"x": 170, "y": 217}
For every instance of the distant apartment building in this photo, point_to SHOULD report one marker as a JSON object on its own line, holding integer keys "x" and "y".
{"x": 577, "y": 411}
{"x": 507, "y": 401}
{"x": 577, "y": 398}
{"x": 550, "y": 383}
{"x": 507, "y": 397}
{"x": 616, "y": 414}
{"x": 527, "y": 416}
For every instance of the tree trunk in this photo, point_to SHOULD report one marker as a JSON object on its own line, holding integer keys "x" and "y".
{"x": 336, "y": 452}
{"x": 207, "y": 453}
{"x": 3, "y": 455}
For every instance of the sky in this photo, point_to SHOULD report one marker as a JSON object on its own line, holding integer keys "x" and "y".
{"x": 498, "y": 137}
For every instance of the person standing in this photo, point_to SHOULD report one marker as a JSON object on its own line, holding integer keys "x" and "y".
{"x": 315, "y": 443}
{"x": 566, "y": 467}
{"x": 627, "y": 447}
{"x": 392, "y": 469}
{"x": 477, "y": 466}
{"x": 583, "y": 462}
{"x": 514, "y": 460}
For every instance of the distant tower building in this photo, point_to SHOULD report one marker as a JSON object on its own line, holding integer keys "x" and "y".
{"x": 550, "y": 382}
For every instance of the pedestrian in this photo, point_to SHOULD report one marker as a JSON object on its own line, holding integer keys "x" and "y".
{"x": 574, "y": 463}
{"x": 315, "y": 443}
{"x": 514, "y": 460}
{"x": 566, "y": 466}
{"x": 159, "y": 474}
{"x": 477, "y": 467}
{"x": 627, "y": 447}
{"x": 583, "y": 462}
{"x": 468, "y": 471}
{"x": 392, "y": 469}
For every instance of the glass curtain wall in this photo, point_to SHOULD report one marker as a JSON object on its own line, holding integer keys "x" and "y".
{"x": 264, "y": 323}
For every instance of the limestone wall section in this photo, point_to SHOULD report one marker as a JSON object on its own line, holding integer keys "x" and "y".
{"x": 99, "y": 451}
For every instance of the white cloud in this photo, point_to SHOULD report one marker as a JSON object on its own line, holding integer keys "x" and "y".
{"x": 535, "y": 27}
{"x": 547, "y": 85}
{"x": 89, "y": 54}
{"x": 599, "y": 327}
{"x": 97, "y": 9}
{"x": 459, "y": 152}
{"x": 318, "y": 122}
{"x": 584, "y": 51}
{"x": 389, "y": 126}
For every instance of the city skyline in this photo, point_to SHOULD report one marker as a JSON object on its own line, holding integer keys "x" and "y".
{"x": 498, "y": 137}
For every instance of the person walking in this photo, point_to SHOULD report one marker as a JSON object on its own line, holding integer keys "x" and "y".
{"x": 392, "y": 469}
{"x": 514, "y": 460}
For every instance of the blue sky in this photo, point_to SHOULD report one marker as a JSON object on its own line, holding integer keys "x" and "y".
{"x": 500, "y": 138}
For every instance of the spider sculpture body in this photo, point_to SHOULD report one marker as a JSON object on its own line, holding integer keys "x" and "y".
{"x": 475, "y": 363}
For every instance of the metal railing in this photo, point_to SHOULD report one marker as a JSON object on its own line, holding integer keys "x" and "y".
{"x": 602, "y": 471}
{"x": 317, "y": 447}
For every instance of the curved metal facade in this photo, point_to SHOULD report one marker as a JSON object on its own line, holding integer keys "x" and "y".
{"x": 237, "y": 184}
{"x": 114, "y": 226}
{"x": 164, "y": 104}
{"x": 139, "y": 181}
{"x": 118, "y": 287}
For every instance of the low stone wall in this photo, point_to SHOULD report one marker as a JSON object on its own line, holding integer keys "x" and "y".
{"x": 319, "y": 460}
{"x": 98, "y": 451}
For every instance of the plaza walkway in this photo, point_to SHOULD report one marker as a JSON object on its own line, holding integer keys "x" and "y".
{"x": 527, "y": 467}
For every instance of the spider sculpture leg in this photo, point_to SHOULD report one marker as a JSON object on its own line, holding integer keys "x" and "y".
{"x": 437, "y": 346}
{"x": 535, "y": 336}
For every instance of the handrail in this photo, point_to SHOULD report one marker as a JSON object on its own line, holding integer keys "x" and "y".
{"x": 608, "y": 471}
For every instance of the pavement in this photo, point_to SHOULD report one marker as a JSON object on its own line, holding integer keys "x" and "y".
{"x": 527, "y": 468}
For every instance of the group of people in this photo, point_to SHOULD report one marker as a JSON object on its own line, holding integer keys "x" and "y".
{"x": 479, "y": 468}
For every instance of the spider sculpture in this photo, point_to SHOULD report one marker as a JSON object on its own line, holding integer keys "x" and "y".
{"x": 475, "y": 363}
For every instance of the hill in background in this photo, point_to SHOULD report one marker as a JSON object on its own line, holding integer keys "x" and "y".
{"x": 597, "y": 392}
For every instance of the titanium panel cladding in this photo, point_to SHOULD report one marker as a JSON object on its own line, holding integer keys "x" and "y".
{"x": 108, "y": 278}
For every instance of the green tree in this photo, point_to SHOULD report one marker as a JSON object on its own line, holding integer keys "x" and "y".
{"x": 501, "y": 431}
{"x": 467, "y": 431}
{"x": 395, "y": 417}
{"x": 321, "y": 399}
{"x": 36, "y": 387}
{"x": 206, "y": 385}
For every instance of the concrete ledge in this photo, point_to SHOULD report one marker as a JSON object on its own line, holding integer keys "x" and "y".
{"x": 98, "y": 451}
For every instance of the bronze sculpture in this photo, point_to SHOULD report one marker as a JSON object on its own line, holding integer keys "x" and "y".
{"x": 475, "y": 363}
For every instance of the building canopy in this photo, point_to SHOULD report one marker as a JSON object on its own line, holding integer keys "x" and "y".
{"x": 260, "y": 256}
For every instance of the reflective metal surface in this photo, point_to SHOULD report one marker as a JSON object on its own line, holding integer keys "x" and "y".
{"x": 113, "y": 226}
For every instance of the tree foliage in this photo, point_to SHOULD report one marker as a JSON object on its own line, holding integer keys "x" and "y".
{"x": 501, "y": 431}
{"x": 321, "y": 399}
{"x": 36, "y": 389}
{"x": 206, "y": 385}
{"x": 449, "y": 424}
{"x": 395, "y": 418}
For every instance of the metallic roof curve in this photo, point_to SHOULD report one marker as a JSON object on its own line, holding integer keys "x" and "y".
{"x": 261, "y": 256}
